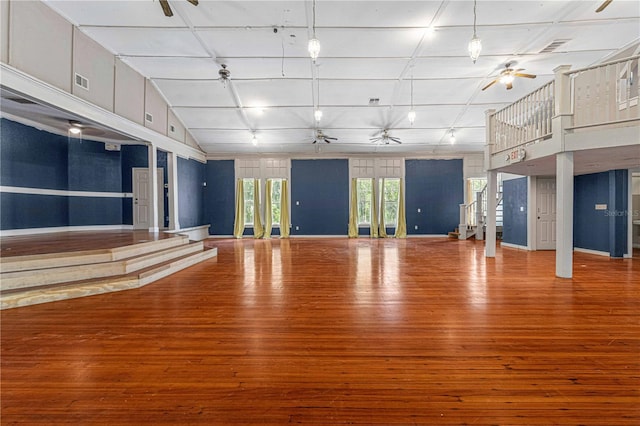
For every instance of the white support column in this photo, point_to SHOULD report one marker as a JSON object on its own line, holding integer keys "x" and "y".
{"x": 153, "y": 190}
{"x": 532, "y": 212}
{"x": 630, "y": 215}
{"x": 172, "y": 172}
{"x": 492, "y": 194}
{"x": 564, "y": 215}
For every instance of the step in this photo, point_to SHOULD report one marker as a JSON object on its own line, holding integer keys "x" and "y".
{"x": 41, "y": 277}
{"x": 55, "y": 260}
{"x": 33, "y": 296}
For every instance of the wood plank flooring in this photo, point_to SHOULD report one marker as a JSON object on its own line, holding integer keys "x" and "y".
{"x": 338, "y": 331}
{"x": 22, "y": 245}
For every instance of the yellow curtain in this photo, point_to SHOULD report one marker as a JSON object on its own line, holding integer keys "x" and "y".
{"x": 268, "y": 214}
{"x": 353, "y": 210}
{"x": 383, "y": 225}
{"x": 284, "y": 210}
{"x": 238, "y": 225}
{"x": 258, "y": 230}
{"x": 401, "y": 227}
{"x": 374, "y": 210}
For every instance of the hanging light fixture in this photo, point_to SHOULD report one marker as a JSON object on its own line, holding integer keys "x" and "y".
{"x": 452, "y": 138}
{"x": 475, "y": 45}
{"x": 317, "y": 114}
{"x": 314, "y": 43}
{"x": 412, "y": 114}
{"x": 254, "y": 139}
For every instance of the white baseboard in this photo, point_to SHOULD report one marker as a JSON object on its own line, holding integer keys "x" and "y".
{"x": 515, "y": 246}
{"x": 589, "y": 251}
{"x": 427, "y": 236}
{"x": 36, "y": 231}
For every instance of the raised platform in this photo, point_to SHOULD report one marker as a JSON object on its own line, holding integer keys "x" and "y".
{"x": 32, "y": 271}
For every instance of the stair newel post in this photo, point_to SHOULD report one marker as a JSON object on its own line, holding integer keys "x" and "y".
{"x": 479, "y": 216}
{"x": 462, "y": 224}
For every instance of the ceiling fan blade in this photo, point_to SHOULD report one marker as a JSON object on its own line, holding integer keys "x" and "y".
{"x": 603, "y": 6}
{"x": 396, "y": 140}
{"x": 193, "y": 2}
{"x": 519, "y": 74}
{"x": 333, "y": 139}
{"x": 327, "y": 140}
{"x": 490, "y": 84}
{"x": 166, "y": 8}
{"x": 509, "y": 86}
{"x": 314, "y": 141}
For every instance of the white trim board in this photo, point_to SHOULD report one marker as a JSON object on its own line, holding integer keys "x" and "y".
{"x": 37, "y": 231}
{"x": 63, "y": 193}
{"x": 514, "y": 246}
{"x": 589, "y": 251}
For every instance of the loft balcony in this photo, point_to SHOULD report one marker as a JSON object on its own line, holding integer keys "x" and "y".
{"x": 581, "y": 111}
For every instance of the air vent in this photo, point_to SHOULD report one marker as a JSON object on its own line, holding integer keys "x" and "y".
{"x": 374, "y": 101}
{"x": 172, "y": 128}
{"x": 112, "y": 147}
{"x": 22, "y": 101}
{"x": 82, "y": 82}
{"x": 554, "y": 45}
{"x": 148, "y": 117}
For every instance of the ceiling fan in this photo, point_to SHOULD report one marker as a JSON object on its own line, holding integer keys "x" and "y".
{"x": 167, "y": 9}
{"x": 507, "y": 76}
{"x": 603, "y": 6}
{"x": 385, "y": 138}
{"x": 322, "y": 137}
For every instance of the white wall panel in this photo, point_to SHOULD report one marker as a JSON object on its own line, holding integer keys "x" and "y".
{"x": 175, "y": 129}
{"x": 129, "y": 93}
{"x": 4, "y": 34}
{"x": 40, "y": 43}
{"x": 155, "y": 105}
{"x": 96, "y": 64}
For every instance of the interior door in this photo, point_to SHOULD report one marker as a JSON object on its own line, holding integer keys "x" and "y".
{"x": 546, "y": 219}
{"x": 160, "y": 190}
{"x": 141, "y": 199}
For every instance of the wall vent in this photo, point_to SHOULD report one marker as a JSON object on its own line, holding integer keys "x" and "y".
{"x": 374, "y": 101}
{"x": 172, "y": 128}
{"x": 554, "y": 45}
{"x": 148, "y": 117}
{"x": 82, "y": 81}
{"x": 111, "y": 147}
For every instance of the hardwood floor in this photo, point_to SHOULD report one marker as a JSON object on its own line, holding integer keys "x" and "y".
{"x": 338, "y": 331}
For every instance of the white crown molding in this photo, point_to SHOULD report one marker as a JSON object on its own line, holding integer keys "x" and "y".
{"x": 63, "y": 193}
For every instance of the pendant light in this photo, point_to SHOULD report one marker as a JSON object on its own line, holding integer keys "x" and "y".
{"x": 452, "y": 137}
{"x": 412, "y": 114}
{"x": 475, "y": 45}
{"x": 317, "y": 114}
{"x": 254, "y": 139}
{"x": 314, "y": 43}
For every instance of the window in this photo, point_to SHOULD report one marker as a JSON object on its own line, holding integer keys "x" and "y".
{"x": 391, "y": 193}
{"x": 364, "y": 201}
{"x": 276, "y": 197}
{"x": 249, "y": 187}
{"x": 474, "y": 185}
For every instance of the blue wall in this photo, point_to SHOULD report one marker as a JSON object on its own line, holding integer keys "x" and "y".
{"x": 436, "y": 187}
{"x": 514, "y": 211}
{"x": 36, "y": 159}
{"x": 219, "y": 197}
{"x": 191, "y": 177}
{"x": 322, "y": 189}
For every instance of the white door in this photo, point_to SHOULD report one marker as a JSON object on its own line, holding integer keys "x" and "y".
{"x": 141, "y": 199}
{"x": 546, "y": 219}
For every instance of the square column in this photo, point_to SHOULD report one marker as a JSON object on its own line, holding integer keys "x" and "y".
{"x": 564, "y": 215}
{"x": 492, "y": 195}
{"x": 172, "y": 178}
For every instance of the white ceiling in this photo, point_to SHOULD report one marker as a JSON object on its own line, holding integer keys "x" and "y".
{"x": 370, "y": 49}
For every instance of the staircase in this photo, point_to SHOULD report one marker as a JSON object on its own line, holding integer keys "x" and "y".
{"x": 33, "y": 279}
{"x": 473, "y": 217}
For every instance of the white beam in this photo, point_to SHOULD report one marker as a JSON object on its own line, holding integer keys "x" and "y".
{"x": 172, "y": 172}
{"x": 153, "y": 190}
{"x": 492, "y": 194}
